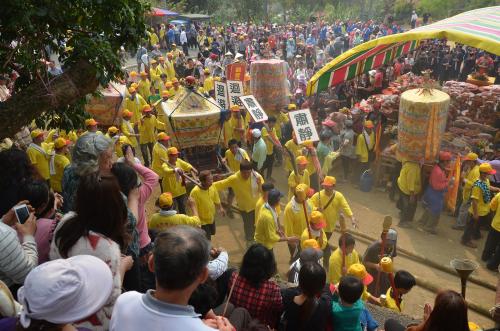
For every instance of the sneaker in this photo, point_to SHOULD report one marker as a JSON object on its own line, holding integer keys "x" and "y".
{"x": 469, "y": 244}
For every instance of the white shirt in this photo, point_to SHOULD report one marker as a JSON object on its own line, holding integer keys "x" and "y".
{"x": 183, "y": 38}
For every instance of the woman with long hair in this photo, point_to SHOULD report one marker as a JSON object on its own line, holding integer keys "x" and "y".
{"x": 98, "y": 227}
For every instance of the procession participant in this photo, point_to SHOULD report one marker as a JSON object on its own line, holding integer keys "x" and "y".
{"x": 246, "y": 184}
{"x": 112, "y": 132}
{"x": 479, "y": 211}
{"x": 160, "y": 114}
{"x": 120, "y": 142}
{"x": 371, "y": 259}
{"x": 342, "y": 258}
{"x": 172, "y": 177}
{"x": 236, "y": 125}
{"x": 235, "y": 155}
{"x": 491, "y": 251}
{"x": 175, "y": 87}
{"x": 364, "y": 148}
{"x": 207, "y": 201}
{"x": 317, "y": 224}
{"x": 168, "y": 216}
{"x": 91, "y": 125}
{"x": 147, "y": 127}
{"x": 169, "y": 68}
{"x": 433, "y": 198}
{"x": 134, "y": 102}
{"x": 272, "y": 145}
{"x": 409, "y": 184}
{"x": 294, "y": 216}
{"x": 267, "y": 230}
{"x": 160, "y": 152}
{"x": 348, "y": 152}
{"x": 470, "y": 174}
{"x": 259, "y": 151}
{"x": 144, "y": 86}
{"x": 127, "y": 128}
{"x": 266, "y": 187}
{"x": 310, "y": 153}
{"x": 162, "y": 84}
{"x": 301, "y": 177}
{"x": 60, "y": 163}
{"x": 208, "y": 83}
{"x": 39, "y": 158}
{"x": 331, "y": 203}
{"x": 155, "y": 74}
{"x": 295, "y": 149}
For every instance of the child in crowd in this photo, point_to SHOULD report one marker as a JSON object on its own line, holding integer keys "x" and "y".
{"x": 404, "y": 282}
{"x": 346, "y": 310}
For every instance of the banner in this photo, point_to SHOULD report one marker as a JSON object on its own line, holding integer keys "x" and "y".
{"x": 236, "y": 71}
{"x": 303, "y": 125}
{"x": 252, "y": 105}
{"x": 221, "y": 94}
{"x": 235, "y": 91}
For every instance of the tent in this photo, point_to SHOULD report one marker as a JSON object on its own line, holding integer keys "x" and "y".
{"x": 478, "y": 28}
{"x": 162, "y": 12}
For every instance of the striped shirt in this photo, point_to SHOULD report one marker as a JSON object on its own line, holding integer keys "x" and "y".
{"x": 16, "y": 259}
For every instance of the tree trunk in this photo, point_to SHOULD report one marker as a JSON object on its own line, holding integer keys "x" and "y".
{"x": 35, "y": 99}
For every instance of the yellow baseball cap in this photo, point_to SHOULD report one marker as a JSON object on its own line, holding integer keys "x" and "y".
{"x": 144, "y": 74}
{"x": 301, "y": 191}
{"x": 317, "y": 219}
{"x": 162, "y": 136}
{"x": 133, "y": 74}
{"x": 292, "y": 106}
{"x": 471, "y": 157}
{"x": 206, "y": 71}
{"x": 134, "y": 85}
{"x": 61, "y": 142}
{"x": 359, "y": 271}
{"x": 174, "y": 80}
{"x": 165, "y": 94}
{"x": 131, "y": 89}
{"x": 172, "y": 151}
{"x": 146, "y": 109}
{"x": 301, "y": 160}
{"x": 91, "y": 122}
{"x": 168, "y": 84}
{"x": 487, "y": 169}
{"x": 36, "y": 133}
{"x": 126, "y": 113}
{"x": 235, "y": 108}
{"x": 112, "y": 129}
{"x": 307, "y": 143}
{"x": 165, "y": 200}
{"x": 369, "y": 124}
{"x": 310, "y": 243}
{"x": 329, "y": 181}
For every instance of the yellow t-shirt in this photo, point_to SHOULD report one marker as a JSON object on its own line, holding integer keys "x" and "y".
{"x": 144, "y": 88}
{"x": 483, "y": 208}
{"x": 391, "y": 303}
{"x": 232, "y": 163}
{"x": 208, "y": 84}
{"x": 266, "y": 231}
{"x": 305, "y": 236}
{"x": 169, "y": 178}
{"x": 296, "y": 179}
{"x": 127, "y": 129}
{"x": 267, "y": 139}
{"x": 147, "y": 129}
{"x": 205, "y": 203}
{"x": 294, "y": 219}
{"x": 159, "y": 154}
{"x": 60, "y": 163}
{"x": 233, "y": 126}
{"x": 495, "y": 223}
{"x": 331, "y": 213}
{"x": 135, "y": 106}
{"x": 361, "y": 149}
{"x": 295, "y": 150}
{"x": 40, "y": 161}
{"x": 409, "y": 178}
{"x": 161, "y": 222}
{"x": 119, "y": 144}
{"x": 245, "y": 197}
{"x": 470, "y": 179}
{"x": 335, "y": 265}
{"x": 258, "y": 206}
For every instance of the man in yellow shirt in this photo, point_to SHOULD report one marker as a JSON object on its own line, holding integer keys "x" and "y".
{"x": 364, "y": 148}
{"x": 236, "y": 124}
{"x": 342, "y": 258}
{"x": 39, "y": 158}
{"x": 479, "y": 211}
{"x": 134, "y": 102}
{"x": 147, "y": 133}
{"x": 233, "y": 157}
{"x": 144, "y": 88}
{"x": 272, "y": 145}
{"x": 127, "y": 128}
{"x": 246, "y": 185}
{"x": 153, "y": 38}
{"x": 295, "y": 149}
{"x": 60, "y": 163}
{"x": 91, "y": 125}
{"x": 167, "y": 216}
{"x": 266, "y": 187}
{"x": 317, "y": 224}
{"x": 207, "y": 200}
{"x": 301, "y": 177}
{"x": 208, "y": 83}
{"x": 160, "y": 152}
{"x": 331, "y": 203}
{"x": 267, "y": 231}
{"x": 156, "y": 74}
{"x": 491, "y": 251}
{"x": 294, "y": 216}
{"x": 409, "y": 183}
{"x": 470, "y": 174}
{"x": 173, "y": 177}
{"x": 169, "y": 67}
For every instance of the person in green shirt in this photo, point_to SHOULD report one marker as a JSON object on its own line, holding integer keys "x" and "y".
{"x": 324, "y": 146}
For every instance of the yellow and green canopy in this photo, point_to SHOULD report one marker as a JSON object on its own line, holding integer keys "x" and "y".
{"x": 478, "y": 28}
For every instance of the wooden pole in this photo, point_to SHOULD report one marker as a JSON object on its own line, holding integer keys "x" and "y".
{"x": 343, "y": 230}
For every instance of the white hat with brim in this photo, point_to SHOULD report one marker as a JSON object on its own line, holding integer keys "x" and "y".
{"x": 238, "y": 55}
{"x": 256, "y": 133}
{"x": 65, "y": 290}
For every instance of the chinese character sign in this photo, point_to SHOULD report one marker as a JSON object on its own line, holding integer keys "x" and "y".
{"x": 252, "y": 105}
{"x": 221, "y": 95}
{"x": 303, "y": 125}
{"x": 236, "y": 71}
{"x": 235, "y": 90}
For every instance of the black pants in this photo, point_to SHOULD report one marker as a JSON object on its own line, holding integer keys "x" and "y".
{"x": 393, "y": 325}
{"x": 185, "y": 49}
{"x": 327, "y": 252}
{"x": 180, "y": 203}
{"x": 268, "y": 166}
{"x": 491, "y": 251}
{"x": 209, "y": 230}
{"x": 132, "y": 278}
{"x": 248, "y": 224}
{"x": 346, "y": 165}
{"x": 471, "y": 230}
{"x": 147, "y": 152}
{"x": 407, "y": 207}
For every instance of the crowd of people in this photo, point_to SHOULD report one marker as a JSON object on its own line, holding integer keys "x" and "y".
{"x": 89, "y": 255}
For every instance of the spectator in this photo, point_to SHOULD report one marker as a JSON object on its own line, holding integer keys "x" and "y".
{"x": 347, "y": 310}
{"x": 253, "y": 288}
{"x": 307, "y": 307}
{"x": 185, "y": 250}
{"x": 306, "y": 256}
{"x": 98, "y": 228}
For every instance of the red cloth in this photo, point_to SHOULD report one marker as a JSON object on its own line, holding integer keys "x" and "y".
{"x": 397, "y": 69}
{"x": 263, "y": 303}
{"x": 438, "y": 179}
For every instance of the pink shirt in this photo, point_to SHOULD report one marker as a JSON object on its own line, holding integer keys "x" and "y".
{"x": 43, "y": 236}
{"x": 149, "y": 181}
{"x": 438, "y": 179}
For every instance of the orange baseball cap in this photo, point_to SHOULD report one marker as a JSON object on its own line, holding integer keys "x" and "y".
{"x": 146, "y": 109}
{"x": 317, "y": 219}
{"x": 235, "y": 108}
{"x": 301, "y": 160}
{"x": 172, "y": 151}
{"x": 471, "y": 157}
{"x": 36, "y": 133}
{"x": 301, "y": 191}
{"x": 162, "y": 136}
{"x": 131, "y": 89}
{"x": 61, "y": 142}
{"x": 91, "y": 122}
{"x": 487, "y": 169}
{"x": 165, "y": 94}
{"x": 359, "y": 271}
{"x": 165, "y": 200}
{"x": 144, "y": 74}
{"x": 168, "y": 84}
{"x": 329, "y": 181}
{"x": 369, "y": 124}
{"x": 126, "y": 113}
{"x": 310, "y": 243}
{"x": 112, "y": 129}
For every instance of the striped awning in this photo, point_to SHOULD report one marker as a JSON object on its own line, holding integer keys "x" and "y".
{"x": 478, "y": 28}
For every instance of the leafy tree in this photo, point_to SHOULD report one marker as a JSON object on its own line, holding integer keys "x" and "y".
{"x": 86, "y": 34}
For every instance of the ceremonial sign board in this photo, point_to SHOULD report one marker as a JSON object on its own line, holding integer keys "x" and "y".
{"x": 303, "y": 125}
{"x": 221, "y": 94}
{"x": 252, "y": 105}
{"x": 235, "y": 91}
{"x": 236, "y": 71}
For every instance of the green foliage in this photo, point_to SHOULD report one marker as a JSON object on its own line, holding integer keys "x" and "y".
{"x": 89, "y": 30}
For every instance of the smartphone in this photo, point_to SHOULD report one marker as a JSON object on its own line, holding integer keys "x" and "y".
{"x": 22, "y": 213}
